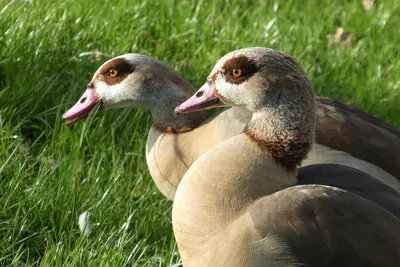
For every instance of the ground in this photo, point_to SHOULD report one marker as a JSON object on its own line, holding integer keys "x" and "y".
{"x": 51, "y": 173}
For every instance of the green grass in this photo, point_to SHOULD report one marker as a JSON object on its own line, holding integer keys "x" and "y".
{"x": 50, "y": 173}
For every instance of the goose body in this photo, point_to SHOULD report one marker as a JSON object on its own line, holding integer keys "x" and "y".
{"x": 216, "y": 223}
{"x": 241, "y": 204}
{"x": 179, "y": 140}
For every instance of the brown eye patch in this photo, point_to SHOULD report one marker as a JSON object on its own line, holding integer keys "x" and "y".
{"x": 241, "y": 63}
{"x": 115, "y": 71}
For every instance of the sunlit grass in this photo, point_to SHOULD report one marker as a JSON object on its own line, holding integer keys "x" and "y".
{"x": 51, "y": 173}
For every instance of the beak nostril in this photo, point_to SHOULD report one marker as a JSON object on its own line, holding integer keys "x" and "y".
{"x": 199, "y": 94}
{"x": 83, "y": 99}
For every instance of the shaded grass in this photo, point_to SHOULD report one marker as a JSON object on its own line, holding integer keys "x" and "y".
{"x": 51, "y": 173}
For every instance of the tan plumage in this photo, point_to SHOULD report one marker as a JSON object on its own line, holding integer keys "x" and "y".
{"x": 240, "y": 204}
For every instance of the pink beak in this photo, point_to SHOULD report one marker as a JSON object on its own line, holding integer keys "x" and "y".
{"x": 81, "y": 109}
{"x": 204, "y": 98}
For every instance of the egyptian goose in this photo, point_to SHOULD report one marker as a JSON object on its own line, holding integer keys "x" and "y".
{"x": 138, "y": 81}
{"x": 239, "y": 203}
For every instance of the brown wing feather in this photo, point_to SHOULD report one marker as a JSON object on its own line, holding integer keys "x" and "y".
{"x": 344, "y": 128}
{"x": 354, "y": 181}
{"x": 326, "y": 226}
{"x": 359, "y": 113}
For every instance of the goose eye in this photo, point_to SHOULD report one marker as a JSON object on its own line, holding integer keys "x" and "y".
{"x": 237, "y": 72}
{"x": 113, "y": 73}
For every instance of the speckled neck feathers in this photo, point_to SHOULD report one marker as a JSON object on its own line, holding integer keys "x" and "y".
{"x": 287, "y": 134}
{"x": 284, "y": 116}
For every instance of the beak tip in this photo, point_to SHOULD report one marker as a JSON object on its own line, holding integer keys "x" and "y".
{"x": 177, "y": 110}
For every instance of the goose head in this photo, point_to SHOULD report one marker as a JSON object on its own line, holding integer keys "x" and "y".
{"x": 254, "y": 78}
{"x": 274, "y": 88}
{"x": 132, "y": 81}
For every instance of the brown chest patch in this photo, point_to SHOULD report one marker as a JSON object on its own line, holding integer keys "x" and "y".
{"x": 246, "y": 66}
{"x": 120, "y": 65}
{"x": 288, "y": 153}
{"x": 171, "y": 129}
{"x": 178, "y": 129}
